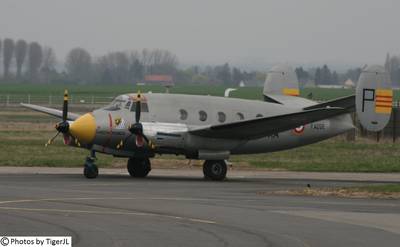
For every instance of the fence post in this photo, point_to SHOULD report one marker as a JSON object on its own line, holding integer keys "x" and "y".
{"x": 50, "y": 100}
{"x": 394, "y": 124}
{"x": 92, "y": 100}
{"x": 29, "y": 98}
{"x": 8, "y": 100}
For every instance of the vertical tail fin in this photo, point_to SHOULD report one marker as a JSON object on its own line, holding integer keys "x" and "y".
{"x": 281, "y": 80}
{"x": 374, "y": 97}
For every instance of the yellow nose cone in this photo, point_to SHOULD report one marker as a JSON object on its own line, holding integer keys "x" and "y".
{"x": 84, "y": 128}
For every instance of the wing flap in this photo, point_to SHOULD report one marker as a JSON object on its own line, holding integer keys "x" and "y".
{"x": 50, "y": 111}
{"x": 257, "y": 128}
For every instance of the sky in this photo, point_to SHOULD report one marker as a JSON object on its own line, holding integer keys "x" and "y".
{"x": 247, "y": 33}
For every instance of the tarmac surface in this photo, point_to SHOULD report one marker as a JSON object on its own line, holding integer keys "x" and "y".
{"x": 180, "y": 208}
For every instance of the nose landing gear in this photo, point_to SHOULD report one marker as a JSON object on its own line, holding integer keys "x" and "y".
{"x": 90, "y": 170}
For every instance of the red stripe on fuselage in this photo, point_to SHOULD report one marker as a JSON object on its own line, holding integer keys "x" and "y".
{"x": 109, "y": 132}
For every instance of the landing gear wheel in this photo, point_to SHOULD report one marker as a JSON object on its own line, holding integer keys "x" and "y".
{"x": 90, "y": 170}
{"x": 215, "y": 170}
{"x": 139, "y": 167}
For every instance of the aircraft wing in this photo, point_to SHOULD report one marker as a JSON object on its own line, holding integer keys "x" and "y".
{"x": 51, "y": 111}
{"x": 347, "y": 102}
{"x": 259, "y": 127}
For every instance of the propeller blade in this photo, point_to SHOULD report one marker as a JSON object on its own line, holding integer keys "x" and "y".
{"x": 138, "y": 108}
{"x": 50, "y": 141}
{"x": 63, "y": 126}
{"x": 65, "y": 106}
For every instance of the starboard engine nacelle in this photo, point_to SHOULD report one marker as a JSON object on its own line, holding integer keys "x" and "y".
{"x": 374, "y": 97}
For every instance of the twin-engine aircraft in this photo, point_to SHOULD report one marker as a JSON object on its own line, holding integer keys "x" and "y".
{"x": 139, "y": 126}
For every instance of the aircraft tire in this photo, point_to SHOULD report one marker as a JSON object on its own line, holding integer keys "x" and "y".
{"x": 215, "y": 170}
{"x": 139, "y": 167}
{"x": 90, "y": 170}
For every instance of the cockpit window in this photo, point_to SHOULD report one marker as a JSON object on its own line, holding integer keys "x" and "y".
{"x": 128, "y": 104}
{"x": 143, "y": 107}
{"x": 115, "y": 105}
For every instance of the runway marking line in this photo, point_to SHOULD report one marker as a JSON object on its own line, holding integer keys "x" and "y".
{"x": 195, "y": 220}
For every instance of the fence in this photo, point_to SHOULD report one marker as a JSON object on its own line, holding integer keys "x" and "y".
{"x": 12, "y": 100}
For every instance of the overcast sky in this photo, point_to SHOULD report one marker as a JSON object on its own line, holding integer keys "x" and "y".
{"x": 214, "y": 31}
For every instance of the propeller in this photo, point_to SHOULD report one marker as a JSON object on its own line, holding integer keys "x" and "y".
{"x": 137, "y": 128}
{"x": 63, "y": 126}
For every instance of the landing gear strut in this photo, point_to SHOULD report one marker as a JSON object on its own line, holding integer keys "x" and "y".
{"x": 215, "y": 169}
{"x": 90, "y": 170}
{"x": 139, "y": 167}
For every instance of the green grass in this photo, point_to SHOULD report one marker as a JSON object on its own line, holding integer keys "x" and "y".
{"x": 114, "y": 90}
{"x": 24, "y": 145}
{"x": 26, "y": 148}
{"x": 331, "y": 156}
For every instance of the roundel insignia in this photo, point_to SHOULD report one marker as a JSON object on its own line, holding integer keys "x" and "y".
{"x": 299, "y": 130}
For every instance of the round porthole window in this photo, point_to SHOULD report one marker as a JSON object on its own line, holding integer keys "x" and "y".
{"x": 183, "y": 114}
{"x": 221, "y": 117}
{"x": 259, "y": 115}
{"x": 202, "y": 116}
{"x": 240, "y": 116}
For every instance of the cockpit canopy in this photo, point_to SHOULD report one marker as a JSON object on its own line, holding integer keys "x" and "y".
{"x": 125, "y": 102}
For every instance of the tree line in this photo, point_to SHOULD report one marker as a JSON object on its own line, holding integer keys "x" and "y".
{"x": 24, "y": 61}
{"x": 32, "y": 62}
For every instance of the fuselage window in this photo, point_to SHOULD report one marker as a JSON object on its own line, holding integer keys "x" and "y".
{"x": 128, "y": 104}
{"x": 183, "y": 114}
{"x": 240, "y": 116}
{"x": 143, "y": 107}
{"x": 259, "y": 115}
{"x": 221, "y": 117}
{"x": 202, "y": 116}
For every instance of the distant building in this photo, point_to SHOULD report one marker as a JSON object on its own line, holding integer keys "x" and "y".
{"x": 242, "y": 84}
{"x": 164, "y": 80}
{"x": 349, "y": 84}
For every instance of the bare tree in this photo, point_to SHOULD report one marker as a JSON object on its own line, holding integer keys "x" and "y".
{"x": 20, "y": 53}
{"x": 79, "y": 65}
{"x": 35, "y": 60}
{"x": 8, "y": 51}
{"x": 49, "y": 62}
{"x": 114, "y": 68}
{"x": 159, "y": 61}
{"x": 49, "y": 58}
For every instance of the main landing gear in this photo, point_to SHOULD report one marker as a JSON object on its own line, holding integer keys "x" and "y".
{"x": 90, "y": 170}
{"x": 139, "y": 167}
{"x": 215, "y": 170}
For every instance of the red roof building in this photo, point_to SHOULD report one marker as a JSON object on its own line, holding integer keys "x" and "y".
{"x": 165, "y": 80}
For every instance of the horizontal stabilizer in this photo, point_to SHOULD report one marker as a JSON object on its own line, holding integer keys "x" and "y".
{"x": 51, "y": 111}
{"x": 260, "y": 127}
{"x": 347, "y": 102}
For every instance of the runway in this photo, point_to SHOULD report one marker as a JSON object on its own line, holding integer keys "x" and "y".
{"x": 175, "y": 210}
